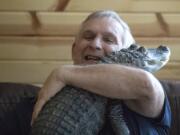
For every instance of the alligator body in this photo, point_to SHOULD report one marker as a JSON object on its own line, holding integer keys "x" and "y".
{"x": 74, "y": 111}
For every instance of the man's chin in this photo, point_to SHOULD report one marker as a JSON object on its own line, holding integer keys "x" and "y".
{"x": 87, "y": 62}
{"x": 90, "y": 62}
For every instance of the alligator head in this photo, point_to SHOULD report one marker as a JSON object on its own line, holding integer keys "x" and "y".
{"x": 149, "y": 59}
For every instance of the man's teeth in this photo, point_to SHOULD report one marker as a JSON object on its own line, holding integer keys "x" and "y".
{"x": 89, "y": 57}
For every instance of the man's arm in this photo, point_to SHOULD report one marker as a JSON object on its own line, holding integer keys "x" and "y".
{"x": 141, "y": 91}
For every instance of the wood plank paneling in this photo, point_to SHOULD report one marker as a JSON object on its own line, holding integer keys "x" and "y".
{"x": 33, "y": 48}
{"x": 144, "y": 24}
{"x": 171, "y": 72}
{"x": 59, "y": 48}
{"x": 27, "y": 5}
{"x": 40, "y": 23}
{"x": 35, "y": 38}
{"x": 27, "y": 71}
{"x": 54, "y": 23}
{"x": 37, "y": 71}
{"x": 173, "y": 23}
{"x": 31, "y": 59}
{"x": 124, "y": 5}
{"x": 66, "y": 24}
{"x": 15, "y": 23}
{"x": 92, "y": 5}
{"x": 155, "y": 6}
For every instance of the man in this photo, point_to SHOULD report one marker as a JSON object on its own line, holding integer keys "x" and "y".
{"x": 145, "y": 105}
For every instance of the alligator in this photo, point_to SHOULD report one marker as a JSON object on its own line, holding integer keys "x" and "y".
{"x": 75, "y": 111}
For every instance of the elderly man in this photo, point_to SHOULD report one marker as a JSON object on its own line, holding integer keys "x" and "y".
{"x": 145, "y": 105}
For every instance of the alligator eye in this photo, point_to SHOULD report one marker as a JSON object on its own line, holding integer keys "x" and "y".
{"x": 133, "y": 47}
{"x": 163, "y": 48}
{"x": 141, "y": 49}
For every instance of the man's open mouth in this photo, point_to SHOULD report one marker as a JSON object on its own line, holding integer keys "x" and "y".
{"x": 93, "y": 58}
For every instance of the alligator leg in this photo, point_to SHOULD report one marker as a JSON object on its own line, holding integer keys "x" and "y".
{"x": 115, "y": 114}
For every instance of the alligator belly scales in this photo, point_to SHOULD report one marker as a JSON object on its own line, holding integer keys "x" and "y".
{"x": 74, "y": 111}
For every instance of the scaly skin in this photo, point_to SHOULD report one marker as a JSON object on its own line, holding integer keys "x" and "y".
{"x": 74, "y": 111}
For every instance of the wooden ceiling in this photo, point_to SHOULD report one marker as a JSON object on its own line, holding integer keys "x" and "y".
{"x": 91, "y": 5}
{"x": 147, "y": 18}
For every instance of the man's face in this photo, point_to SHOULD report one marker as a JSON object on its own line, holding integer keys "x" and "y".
{"x": 97, "y": 38}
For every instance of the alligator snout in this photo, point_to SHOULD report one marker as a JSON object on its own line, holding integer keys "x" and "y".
{"x": 133, "y": 47}
{"x": 163, "y": 48}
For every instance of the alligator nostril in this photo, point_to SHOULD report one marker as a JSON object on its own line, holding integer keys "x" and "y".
{"x": 163, "y": 48}
{"x": 133, "y": 47}
{"x": 142, "y": 49}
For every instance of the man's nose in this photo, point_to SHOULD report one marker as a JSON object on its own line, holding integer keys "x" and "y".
{"x": 96, "y": 44}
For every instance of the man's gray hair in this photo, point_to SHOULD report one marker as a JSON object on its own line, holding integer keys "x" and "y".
{"x": 127, "y": 38}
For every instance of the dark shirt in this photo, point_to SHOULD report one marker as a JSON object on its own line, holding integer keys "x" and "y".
{"x": 141, "y": 125}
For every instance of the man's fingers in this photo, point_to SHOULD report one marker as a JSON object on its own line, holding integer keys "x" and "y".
{"x": 38, "y": 106}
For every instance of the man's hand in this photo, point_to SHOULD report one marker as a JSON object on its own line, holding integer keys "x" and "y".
{"x": 52, "y": 85}
{"x": 37, "y": 108}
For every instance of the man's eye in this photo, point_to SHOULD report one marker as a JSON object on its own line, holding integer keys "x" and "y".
{"x": 88, "y": 37}
{"x": 108, "y": 40}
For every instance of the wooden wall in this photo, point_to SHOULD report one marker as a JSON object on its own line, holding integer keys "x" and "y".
{"x": 36, "y": 35}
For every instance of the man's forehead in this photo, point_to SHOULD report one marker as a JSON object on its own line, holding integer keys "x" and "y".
{"x": 108, "y": 26}
{"x": 105, "y": 33}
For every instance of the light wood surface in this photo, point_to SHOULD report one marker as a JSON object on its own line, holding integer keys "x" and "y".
{"x": 36, "y": 35}
{"x": 67, "y": 24}
{"x": 125, "y": 5}
{"x": 31, "y": 59}
{"x": 91, "y": 5}
{"x": 59, "y": 48}
{"x": 37, "y": 71}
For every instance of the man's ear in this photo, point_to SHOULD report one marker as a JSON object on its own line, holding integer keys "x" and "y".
{"x": 73, "y": 45}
